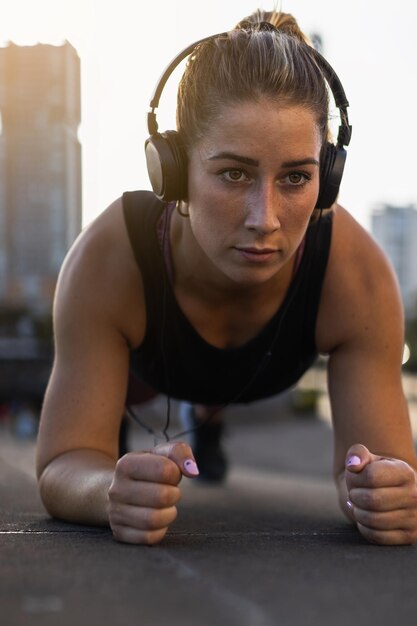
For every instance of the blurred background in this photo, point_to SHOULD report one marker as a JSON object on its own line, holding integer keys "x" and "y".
{"x": 76, "y": 77}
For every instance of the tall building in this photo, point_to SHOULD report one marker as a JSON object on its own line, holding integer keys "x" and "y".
{"x": 395, "y": 228}
{"x": 40, "y": 169}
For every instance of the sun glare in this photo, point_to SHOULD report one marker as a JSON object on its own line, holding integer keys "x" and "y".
{"x": 27, "y": 23}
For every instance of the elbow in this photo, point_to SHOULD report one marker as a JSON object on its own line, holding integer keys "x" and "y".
{"x": 47, "y": 490}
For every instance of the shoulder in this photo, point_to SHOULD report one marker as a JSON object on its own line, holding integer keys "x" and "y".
{"x": 355, "y": 254}
{"x": 100, "y": 279}
{"x": 101, "y": 248}
{"x": 360, "y": 288}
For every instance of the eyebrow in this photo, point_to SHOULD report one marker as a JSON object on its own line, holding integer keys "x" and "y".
{"x": 234, "y": 157}
{"x": 255, "y": 162}
{"x": 297, "y": 163}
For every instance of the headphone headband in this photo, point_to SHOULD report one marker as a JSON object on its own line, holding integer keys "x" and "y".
{"x": 165, "y": 154}
{"x": 154, "y": 103}
{"x": 336, "y": 87}
{"x": 341, "y": 101}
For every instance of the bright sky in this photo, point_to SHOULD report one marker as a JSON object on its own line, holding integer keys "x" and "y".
{"x": 125, "y": 45}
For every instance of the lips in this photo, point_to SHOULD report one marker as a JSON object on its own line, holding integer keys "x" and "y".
{"x": 257, "y": 255}
{"x": 255, "y": 250}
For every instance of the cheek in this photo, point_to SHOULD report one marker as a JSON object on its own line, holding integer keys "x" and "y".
{"x": 299, "y": 212}
{"x": 207, "y": 223}
{"x": 212, "y": 225}
{"x": 308, "y": 203}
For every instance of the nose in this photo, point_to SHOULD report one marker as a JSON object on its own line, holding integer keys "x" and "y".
{"x": 263, "y": 208}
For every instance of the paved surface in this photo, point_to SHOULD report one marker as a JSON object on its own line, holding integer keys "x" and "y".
{"x": 269, "y": 548}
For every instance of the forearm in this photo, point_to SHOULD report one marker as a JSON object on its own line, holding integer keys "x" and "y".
{"x": 74, "y": 486}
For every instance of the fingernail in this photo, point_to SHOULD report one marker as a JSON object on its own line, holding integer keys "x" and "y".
{"x": 191, "y": 467}
{"x": 353, "y": 461}
{"x": 349, "y": 505}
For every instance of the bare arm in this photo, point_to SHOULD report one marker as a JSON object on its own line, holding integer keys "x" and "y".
{"x": 375, "y": 461}
{"x": 77, "y": 449}
{"x": 98, "y": 315}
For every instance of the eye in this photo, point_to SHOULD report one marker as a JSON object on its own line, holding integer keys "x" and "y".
{"x": 297, "y": 179}
{"x": 234, "y": 175}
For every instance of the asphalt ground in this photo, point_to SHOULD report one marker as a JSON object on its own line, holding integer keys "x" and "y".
{"x": 268, "y": 548}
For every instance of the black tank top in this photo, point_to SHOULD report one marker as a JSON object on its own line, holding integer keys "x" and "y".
{"x": 174, "y": 359}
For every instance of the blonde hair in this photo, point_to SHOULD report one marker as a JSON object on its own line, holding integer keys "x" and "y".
{"x": 252, "y": 61}
{"x": 285, "y": 22}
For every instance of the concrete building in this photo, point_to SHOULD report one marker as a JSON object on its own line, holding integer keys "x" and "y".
{"x": 40, "y": 169}
{"x": 395, "y": 228}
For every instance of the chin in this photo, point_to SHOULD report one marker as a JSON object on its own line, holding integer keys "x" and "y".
{"x": 253, "y": 278}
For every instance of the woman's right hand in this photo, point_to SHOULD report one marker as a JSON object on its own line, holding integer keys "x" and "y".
{"x": 144, "y": 492}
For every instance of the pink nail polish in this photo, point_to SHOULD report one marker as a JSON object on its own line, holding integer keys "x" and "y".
{"x": 349, "y": 505}
{"x": 353, "y": 461}
{"x": 190, "y": 466}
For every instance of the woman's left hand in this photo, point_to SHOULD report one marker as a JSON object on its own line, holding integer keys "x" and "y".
{"x": 382, "y": 496}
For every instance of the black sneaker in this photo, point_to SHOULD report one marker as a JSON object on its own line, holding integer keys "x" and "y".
{"x": 206, "y": 445}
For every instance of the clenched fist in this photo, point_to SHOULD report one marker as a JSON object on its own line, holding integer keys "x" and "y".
{"x": 382, "y": 497}
{"x": 144, "y": 492}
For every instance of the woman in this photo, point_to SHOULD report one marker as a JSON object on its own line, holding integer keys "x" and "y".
{"x": 229, "y": 298}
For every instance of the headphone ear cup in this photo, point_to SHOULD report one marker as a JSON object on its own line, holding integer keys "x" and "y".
{"x": 331, "y": 172}
{"x": 166, "y": 160}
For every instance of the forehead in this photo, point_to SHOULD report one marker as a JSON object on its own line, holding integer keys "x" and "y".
{"x": 262, "y": 124}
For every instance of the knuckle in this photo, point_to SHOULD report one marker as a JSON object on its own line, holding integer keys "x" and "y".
{"x": 115, "y": 532}
{"x": 131, "y": 464}
{"x": 409, "y": 473}
{"x": 167, "y": 471}
{"x": 367, "y": 533}
{"x": 150, "y": 538}
{"x": 409, "y": 536}
{"x": 122, "y": 465}
{"x": 166, "y": 496}
{"x": 126, "y": 465}
{"x": 372, "y": 520}
{"x": 152, "y": 519}
{"x": 371, "y": 472}
{"x": 136, "y": 536}
{"x": 156, "y": 519}
{"x": 182, "y": 447}
{"x": 114, "y": 492}
{"x": 174, "y": 514}
{"x": 371, "y": 499}
{"x": 118, "y": 533}
{"x": 412, "y": 499}
{"x": 113, "y": 515}
{"x": 366, "y": 518}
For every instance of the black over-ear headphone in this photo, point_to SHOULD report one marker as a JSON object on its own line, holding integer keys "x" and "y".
{"x": 167, "y": 160}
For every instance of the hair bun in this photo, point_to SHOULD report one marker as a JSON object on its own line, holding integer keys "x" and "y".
{"x": 273, "y": 20}
{"x": 248, "y": 25}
